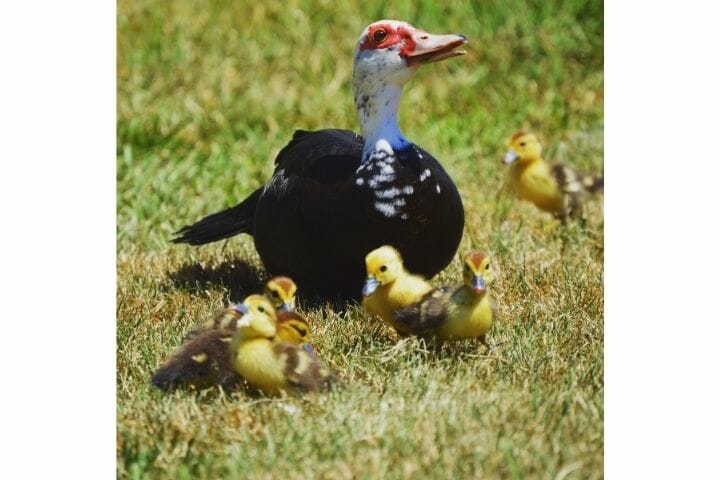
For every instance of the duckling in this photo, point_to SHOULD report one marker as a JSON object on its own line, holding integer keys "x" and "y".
{"x": 268, "y": 364}
{"x": 389, "y": 286}
{"x": 552, "y": 188}
{"x": 292, "y": 327}
{"x": 203, "y": 360}
{"x": 281, "y": 292}
{"x": 455, "y": 312}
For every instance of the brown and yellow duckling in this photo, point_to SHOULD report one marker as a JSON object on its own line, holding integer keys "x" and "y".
{"x": 292, "y": 327}
{"x": 389, "y": 286}
{"x": 455, "y": 312}
{"x": 553, "y": 188}
{"x": 204, "y": 359}
{"x": 268, "y": 364}
{"x": 281, "y": 292}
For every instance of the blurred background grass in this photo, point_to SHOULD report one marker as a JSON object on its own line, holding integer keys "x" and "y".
{"x": 209, "y": 92}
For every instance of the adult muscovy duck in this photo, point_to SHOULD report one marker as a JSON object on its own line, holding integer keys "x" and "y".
{"x": 335, "y": 195}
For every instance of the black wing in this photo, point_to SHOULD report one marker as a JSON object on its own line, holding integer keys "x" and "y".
{"x": 325, "y": 156}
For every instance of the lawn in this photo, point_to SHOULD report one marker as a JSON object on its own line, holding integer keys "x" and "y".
{"x": 209, "y": 92}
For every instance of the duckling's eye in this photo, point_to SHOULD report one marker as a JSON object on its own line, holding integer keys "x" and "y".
{"x": 379, "y": 36}
{"x": 261, "y": 309}
{"x": 487, "y": 267}
{"x": 383, "y": 268}
{"x": 522, "y": 144}
{"x": 275, "y": 294}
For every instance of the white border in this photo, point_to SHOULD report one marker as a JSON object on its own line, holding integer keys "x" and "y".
{"x": 57, "y": 238}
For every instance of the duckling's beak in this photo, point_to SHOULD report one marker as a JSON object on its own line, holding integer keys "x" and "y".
{"x": 241, "y": 308}
{"x": 478, "y": 284}
{"x": 243, "y": 321}
{"x": 510, "y": 157}
{"x": 285, "y": 307}
{"x": 309, "y": 348}
{"x": 371, "y": 284}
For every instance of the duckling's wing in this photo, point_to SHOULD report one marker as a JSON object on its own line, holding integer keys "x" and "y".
{"x": 568, "y": 179}
{"x": 225, "y": 319}
{"x": 201, "y": 362}
{"x": 303, "y": 371}
{"x": 573, "y": 181}
{"x": 427, "y": 314}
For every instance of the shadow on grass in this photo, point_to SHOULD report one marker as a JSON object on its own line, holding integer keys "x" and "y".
{"x": 241, "y": 279}
{"x": 235, "y": 275}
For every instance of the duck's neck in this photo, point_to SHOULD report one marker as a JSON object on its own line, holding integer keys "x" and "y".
{"x": 377, "y": 106}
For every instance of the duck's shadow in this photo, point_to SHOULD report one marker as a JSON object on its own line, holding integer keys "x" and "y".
{"x": 235, "y": 275}
{"x": 241, "y": 279}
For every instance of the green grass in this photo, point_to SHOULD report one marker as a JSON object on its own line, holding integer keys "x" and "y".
{"x": 208, "y": 93}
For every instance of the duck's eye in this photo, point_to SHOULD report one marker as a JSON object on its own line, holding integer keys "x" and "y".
{"x": 383, "y": 268}
{"x": 261, "y": 309}
{"x": 522, "y": 144}
{"x": 487, "y": 267}
{"x": 275, "y": 294}
{"x": 379, "y": 36}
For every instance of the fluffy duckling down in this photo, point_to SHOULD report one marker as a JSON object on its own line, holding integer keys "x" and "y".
{"x": 455, "y": 312}
{"x": 389, "y": 286}
{"x": 553, "y": 188}
{"x": 268, "y": 364}
{"x": 204, "y": 361}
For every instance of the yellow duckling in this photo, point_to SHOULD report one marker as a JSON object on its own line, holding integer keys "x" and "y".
{"x": 389, "y": 286}
{"x": 204, "y": 359}
{"x": 270, "y": 365}
{"x": 455, "y": 312}
{"x": 552, "y": 188}
{"x": 281, "y": 291}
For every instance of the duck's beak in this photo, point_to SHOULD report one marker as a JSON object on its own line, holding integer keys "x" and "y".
{"x": 285, "y": 307}
{"x": 371, "y": 284}
{"x": 510, "y": 157}
{"x": 433, "y": 48}
{"x": 478, "y": 284}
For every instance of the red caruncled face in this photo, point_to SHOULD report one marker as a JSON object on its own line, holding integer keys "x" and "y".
{"x": 411, "y": 44}
{"x": 385, "y": 35}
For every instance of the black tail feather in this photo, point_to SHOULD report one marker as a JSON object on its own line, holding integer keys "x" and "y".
{"x": 220, "y": 225}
